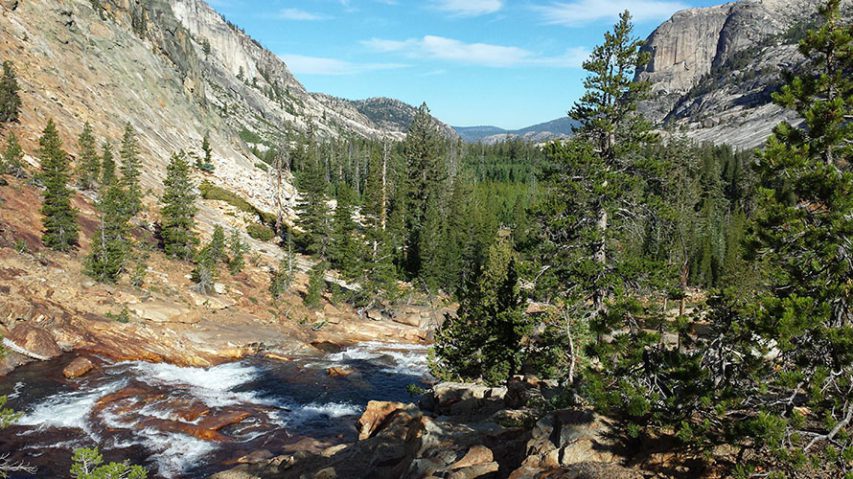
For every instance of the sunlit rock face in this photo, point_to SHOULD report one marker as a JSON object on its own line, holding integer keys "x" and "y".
{"x": 712, "y": 70}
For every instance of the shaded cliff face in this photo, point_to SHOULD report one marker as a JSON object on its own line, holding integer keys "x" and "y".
{"x": 713, "y": 69}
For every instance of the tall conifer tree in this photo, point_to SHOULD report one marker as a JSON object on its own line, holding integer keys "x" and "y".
{"x": 785, "y": 354}
{"x": 111, "y": 245}
{"x": 89, "y": 164}
{"x": 108, "y": 164}
{"x": 312, "y": 208}
{"x": 427, "y": 175}
{"x": 10, "y": 100}
{"x": 13, "y": 157}
{"x": 131, "y": 169}
{"x": 178, "y": 209}
{"x": 59, "y": 218}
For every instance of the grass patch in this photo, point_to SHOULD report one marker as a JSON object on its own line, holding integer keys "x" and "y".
{"x": 209, "y": 191}
{"x": 250, "y": 136}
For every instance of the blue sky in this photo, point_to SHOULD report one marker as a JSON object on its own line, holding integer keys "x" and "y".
{"x": 509, "y": 63}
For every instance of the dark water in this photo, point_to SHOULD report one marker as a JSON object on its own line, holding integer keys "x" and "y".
{"x": 150, "y": 413}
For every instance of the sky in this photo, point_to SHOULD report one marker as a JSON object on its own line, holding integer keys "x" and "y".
{"x": 507, "y": 63}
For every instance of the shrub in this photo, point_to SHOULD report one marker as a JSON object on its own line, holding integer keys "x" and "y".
{"x": 260, "y": 232}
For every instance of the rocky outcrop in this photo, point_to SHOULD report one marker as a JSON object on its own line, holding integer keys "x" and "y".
{"x": 453, "y": 434}
{"x": 375, "y": 416}
{"x": 713, "y": 69}
{"x": 33, "y": 342}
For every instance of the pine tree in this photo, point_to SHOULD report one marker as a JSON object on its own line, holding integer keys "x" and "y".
{"x": 604, "y": 206}
{"x": 206, "y": 163}
{"x": 784, "y": 354}
{"x": 131, "y": 169}
{"x": 178, "y": 209}
{"x": 432, "y": 248}
{"x": 10, "y": 101}
{"x": 111, "y": 245}
{"x": 460, "y": 246}
{"x": 485, "y": 339}
{"x": 217, "y": 244}
{"x": 347, "y": 248}
{"x": 59, "y": 218}
{"x": 316, "y": 286}
{"x": 89, "y": 464}
{"x": 610, "y": 123}
{"x": 236, "y": 252}
{"x": 379, "y": 275}
{"x": 108, "y": 164}
{"x": 89, "y": 166}
{"x": 205, "y": 272}
{"x": 13, "y": 157}
{"x": 312, "y": 208}
{"x": 282, "y": 277}
{"x": 427, "y": 175}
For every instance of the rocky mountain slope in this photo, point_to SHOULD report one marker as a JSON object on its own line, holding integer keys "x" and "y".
{"x": 542, "y": 132}
{"x": 393, "y": 115}
{"x": 176, "y": 71}
{"x": 713, "y": 69}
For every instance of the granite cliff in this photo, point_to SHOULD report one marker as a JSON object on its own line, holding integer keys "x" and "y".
{"x": 713, "y": 69}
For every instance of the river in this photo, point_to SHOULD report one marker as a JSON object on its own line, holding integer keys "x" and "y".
{"x": 170, "y": 419}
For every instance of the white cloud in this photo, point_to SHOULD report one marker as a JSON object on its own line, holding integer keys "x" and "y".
{"x": 480, "y": 54}
{"x": 579, "y": 12}
{"x": 469, "y": 8}
{"x": 298, "y": 15}
{"x": 307, "y": 65}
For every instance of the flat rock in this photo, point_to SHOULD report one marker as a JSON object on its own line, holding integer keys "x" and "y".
{"x": 163, "y": 312}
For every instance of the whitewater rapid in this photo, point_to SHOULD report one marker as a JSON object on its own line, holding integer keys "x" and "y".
{"x": 283, "y": 400}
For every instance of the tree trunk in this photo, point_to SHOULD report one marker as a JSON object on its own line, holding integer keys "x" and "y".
{"x": 601, "y": 258}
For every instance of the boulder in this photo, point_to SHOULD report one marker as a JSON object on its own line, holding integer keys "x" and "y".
{"x": 567, "y": 437}
{"x": 338, "y": 372}
{"x": 476, "y": 455}
{"x": 32, "y": 341}
{"x": 478, "y": 471}
{"x": 80, "y": 366}
{"x": 464, "y": 399}
{"x": 376, "y": 415}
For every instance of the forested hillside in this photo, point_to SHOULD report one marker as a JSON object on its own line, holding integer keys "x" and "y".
{"x": 625, "y": 302}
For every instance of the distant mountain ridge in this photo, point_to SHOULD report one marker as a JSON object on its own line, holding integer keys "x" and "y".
{"x": 539, "y": 133}
{"x": 393, "y": 115}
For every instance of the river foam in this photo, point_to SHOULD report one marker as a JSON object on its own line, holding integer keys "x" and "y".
{"x": 166, "y": 403}
{"x": 406, "y": 359}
